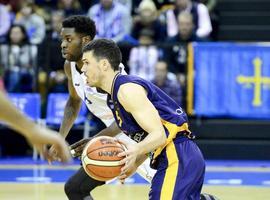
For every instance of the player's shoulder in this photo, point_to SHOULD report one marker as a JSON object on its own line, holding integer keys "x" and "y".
{"x": 129, "y": 90}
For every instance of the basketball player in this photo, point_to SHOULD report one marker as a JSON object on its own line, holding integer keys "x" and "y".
{"x": 77, "y": 31}
{"x": 37, "y": 136}
{"x": 139, "y": 106}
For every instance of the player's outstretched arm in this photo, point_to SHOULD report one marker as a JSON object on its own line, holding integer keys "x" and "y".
{"x": 37, "y": 136}
{"x": 73, "y": 105}
{"x": 71, "y": 111}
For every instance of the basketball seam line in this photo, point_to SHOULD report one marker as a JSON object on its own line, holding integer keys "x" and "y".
{"x": 117, "y": 147}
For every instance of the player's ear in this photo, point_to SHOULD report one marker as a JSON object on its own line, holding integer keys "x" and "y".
{"x": 86, "y": 39}
{"x": 104, "y": 64}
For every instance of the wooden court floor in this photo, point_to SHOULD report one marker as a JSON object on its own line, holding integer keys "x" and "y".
{"x": 54, "y": 191}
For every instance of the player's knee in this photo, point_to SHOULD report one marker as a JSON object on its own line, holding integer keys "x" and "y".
{"x": 88, "y": 186}
{"x": 70, "y": 188}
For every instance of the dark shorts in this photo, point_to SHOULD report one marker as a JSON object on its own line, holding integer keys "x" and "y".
{"x": 180, "y": 172}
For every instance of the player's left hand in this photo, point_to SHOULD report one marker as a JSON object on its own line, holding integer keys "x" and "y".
{"x": 131, "y": 154}
{"x": 127, "y": 174}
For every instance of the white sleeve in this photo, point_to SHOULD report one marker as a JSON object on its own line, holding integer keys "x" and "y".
{"x": 204, "y": 23}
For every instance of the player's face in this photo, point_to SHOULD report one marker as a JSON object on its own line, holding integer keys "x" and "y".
{"x": 71, "y": 44}
{"x": 91, "y": 69}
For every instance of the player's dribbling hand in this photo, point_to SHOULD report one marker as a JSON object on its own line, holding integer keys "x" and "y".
{"x": 131, "y": 155}
{"x": 76, "y": 149}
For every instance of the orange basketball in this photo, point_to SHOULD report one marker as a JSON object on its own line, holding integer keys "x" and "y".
{"x": 100, "y": 158}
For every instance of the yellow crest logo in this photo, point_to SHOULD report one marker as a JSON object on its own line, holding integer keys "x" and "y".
{"x": 257, "y": 81}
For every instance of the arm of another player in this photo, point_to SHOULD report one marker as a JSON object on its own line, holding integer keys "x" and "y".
{"x": 77, "y": 148}
{"x": 71, "y": 111}
{"x": 73, "y": 104}
{"x": 134, "y": 99}
{"x": 38, "y": 136}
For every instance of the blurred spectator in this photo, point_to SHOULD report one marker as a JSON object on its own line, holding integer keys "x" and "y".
{"x": 5, "y": 22}
{"x": 127, "y": 4}
{"x": 50, "y": 58}
{"x": 112, "y": 20}
{"x": 199, "y": 11}
{"x": 142, "y": 59}
{"x": 160, "y": 4}
{"x": 211, "y": 6}
{"x": 70, "y": 7}
{"x": 186, "y": 32}
{"x": 18, "y": 57}
{"x": 12, "y": 5}
{"x": 147, "y": 18}
{"x": 176, "y": 51}
{"x": 33, "y": 23}
{"x": 167, "y": 81}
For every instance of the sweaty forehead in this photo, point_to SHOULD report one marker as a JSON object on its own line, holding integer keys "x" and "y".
{"x": 67, "y": 31}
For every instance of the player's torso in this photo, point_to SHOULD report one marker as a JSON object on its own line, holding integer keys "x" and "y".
{"x": 168, "y": 110}
{"x": 95, "y": 101}
{"x": 126, "y": 122}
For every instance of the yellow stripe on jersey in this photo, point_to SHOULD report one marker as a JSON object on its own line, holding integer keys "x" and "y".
{"x": 173, "y": 129}
{"x": 171, "y": 173}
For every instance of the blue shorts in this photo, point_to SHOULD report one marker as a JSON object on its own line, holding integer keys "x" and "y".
{"x": 180, "y": 172}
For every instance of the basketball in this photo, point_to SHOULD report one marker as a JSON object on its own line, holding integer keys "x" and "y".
{"x": 100, "y": 158}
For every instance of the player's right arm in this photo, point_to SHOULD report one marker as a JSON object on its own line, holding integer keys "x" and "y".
{"x": 73, "y": 104}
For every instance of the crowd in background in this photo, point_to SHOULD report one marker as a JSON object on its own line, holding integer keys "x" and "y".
{"x": 152, "y": 34}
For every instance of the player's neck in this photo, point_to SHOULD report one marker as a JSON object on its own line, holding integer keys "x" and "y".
{"x": 79, "y": 64}
{"x": 109, "y": 81}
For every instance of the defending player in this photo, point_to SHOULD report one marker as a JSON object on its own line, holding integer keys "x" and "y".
{"x": 36, "y": 135}
{"x": 139, "y": 106}
{"x": 77, "y": 31}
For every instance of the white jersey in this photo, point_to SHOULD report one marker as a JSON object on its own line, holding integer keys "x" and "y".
{"x": 96, "y": 102}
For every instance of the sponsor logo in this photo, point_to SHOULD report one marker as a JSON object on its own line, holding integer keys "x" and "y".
{"x": 108, "y": 153}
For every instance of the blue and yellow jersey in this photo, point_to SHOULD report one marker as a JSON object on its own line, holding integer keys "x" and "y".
{"x": 173, "y": 118}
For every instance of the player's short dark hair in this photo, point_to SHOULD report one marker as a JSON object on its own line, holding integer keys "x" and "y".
{"x": 105, "y": 48}
{"x": 82, "y": 25}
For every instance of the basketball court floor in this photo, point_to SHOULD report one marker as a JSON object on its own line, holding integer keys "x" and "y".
{"x": 23, "y": 179}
